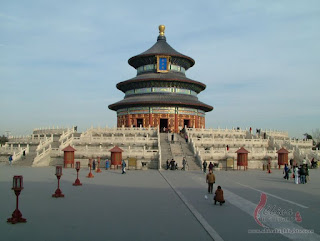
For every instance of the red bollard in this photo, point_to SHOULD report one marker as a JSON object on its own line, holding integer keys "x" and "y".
{"x": 17, "y": 186}
{"x": 77, "y": 181}
{"x": 98, "y": 168}
{"x": 90, "y": 175}
{"x": 58, "y": 192}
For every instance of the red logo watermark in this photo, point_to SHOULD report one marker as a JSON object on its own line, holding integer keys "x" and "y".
{"x": 264, "y": 213}
{"x": 260, "y": 206}
{"x": 269, "y": 218}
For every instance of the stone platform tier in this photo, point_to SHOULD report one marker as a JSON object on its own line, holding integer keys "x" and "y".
{"x": 147, "y": 145}
{"x": 217, "y": 145}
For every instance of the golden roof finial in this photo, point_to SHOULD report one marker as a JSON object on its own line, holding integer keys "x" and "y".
{"x": 161, "y": 29}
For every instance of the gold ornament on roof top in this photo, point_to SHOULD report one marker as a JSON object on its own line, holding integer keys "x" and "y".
{"x": 161, "y": 29}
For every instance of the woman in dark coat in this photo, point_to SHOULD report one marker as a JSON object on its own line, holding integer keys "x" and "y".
{"x": 218, "y": 197}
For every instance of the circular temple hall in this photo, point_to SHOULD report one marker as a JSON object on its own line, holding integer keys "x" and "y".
{"x": 161, "y": 94}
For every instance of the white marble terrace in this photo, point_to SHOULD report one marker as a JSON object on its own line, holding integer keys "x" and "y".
{"x": 211, "y": 145}
{"x": 144, "y": 145}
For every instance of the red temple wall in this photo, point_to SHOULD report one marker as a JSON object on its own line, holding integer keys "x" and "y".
{"x": 174, "y": 120}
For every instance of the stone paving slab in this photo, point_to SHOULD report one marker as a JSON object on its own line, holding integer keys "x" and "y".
{"x": 138, "y": 205}
{"x": 236, "y": 218}
{"x": 151, "y": 205}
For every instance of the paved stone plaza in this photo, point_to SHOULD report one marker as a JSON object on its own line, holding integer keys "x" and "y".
{"x": 153, "y": 205}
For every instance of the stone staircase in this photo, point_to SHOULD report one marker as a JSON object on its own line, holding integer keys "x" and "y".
{"x": 165, "y": 149}
{"x": 187, "y": 153}
{"x": 28, "y": 159}
{"x": 176, "y": 150}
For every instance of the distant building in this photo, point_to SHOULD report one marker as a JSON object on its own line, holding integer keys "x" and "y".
{"x": 161, "y": 94}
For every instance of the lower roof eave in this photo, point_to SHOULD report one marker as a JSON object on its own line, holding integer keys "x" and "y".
{"x": 115, "y": 107}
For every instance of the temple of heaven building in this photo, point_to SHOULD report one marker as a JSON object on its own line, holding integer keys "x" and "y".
{"x": 161, "y": 94}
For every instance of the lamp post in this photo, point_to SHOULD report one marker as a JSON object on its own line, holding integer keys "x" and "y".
{"x": 90, "y": 175}
{"x": 58, "y": 192}
{"x": 17, "y": 186}
{"x": 77, "y": 181}
{"x": 98, "y": 169}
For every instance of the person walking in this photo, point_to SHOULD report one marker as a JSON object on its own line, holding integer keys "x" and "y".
{"x": 218, "y": 197}
{"x": 303, "y": 173}
{"x": 205, "y": 164}
{"x": 94, "y": 164}
{"x": 210, "y": 179}
{"x": 123, "y": 167}
{"x": 286, "y": 172}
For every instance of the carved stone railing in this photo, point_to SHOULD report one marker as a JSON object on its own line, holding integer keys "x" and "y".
{"x": 231, "y": 142}
{"x": 10, "y": 149}
{"x": 115, "y": 139}
{"x": 68, "y": 141}
{"x": 45, "y": 142}
{"x": 67, "y": 133}
{"x": 94, "y": 151}
{"x": 302, "y": 143}
{"x": 41, "y": 154}
{"x": 49, "y": 130}
{"x": 215, "y": 132}
{"x": 252, "y": 155}
{"x": 128, "y": 131}
{"x": 276, "y": 134}
{"x": 23, "y": 139}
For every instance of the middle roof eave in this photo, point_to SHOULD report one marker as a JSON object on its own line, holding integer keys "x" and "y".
{"x": 159, "y": 77}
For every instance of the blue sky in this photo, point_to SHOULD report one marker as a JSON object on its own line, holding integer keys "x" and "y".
{"x": 61, "y": 60}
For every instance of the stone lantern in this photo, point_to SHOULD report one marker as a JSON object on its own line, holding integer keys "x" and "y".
{"x": 17, "y": 186}
{"x": 58, "y": 192}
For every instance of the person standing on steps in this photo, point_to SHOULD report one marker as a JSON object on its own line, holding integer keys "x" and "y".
{"x": 210, "y": 179}
{"x": 168, "y": 164}
{"x": 184, "y": 163}
{"x": 205, "y": 164}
